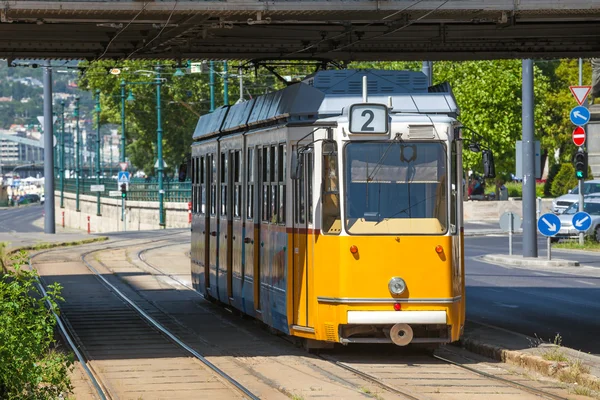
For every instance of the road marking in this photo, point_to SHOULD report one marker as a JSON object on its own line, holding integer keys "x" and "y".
{"x": 506, "y": 305}
{"x": 586, "y": 282}
{"x": 540, "y": 274}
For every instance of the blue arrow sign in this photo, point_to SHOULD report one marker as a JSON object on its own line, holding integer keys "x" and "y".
{"x": 580, "y": 116}
{"x": 123, "y": 177}
{"x": 582, "y": 221}
{"x": 548, "y": 224}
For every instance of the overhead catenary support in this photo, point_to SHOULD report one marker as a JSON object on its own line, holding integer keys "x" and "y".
{"x": 580, "y": 181}
{"x": 98, "y": 171}
{"x": 529, "y": 223}
{"x": 62, "y": 155}
{"x": 211, "y": 84}
{"x": 77, "y": 154}
{"x": 49, "y": 224}
{"x": 161, "y": 192}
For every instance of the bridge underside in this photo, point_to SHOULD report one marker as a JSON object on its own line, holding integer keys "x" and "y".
{"x": 339, "y": 30}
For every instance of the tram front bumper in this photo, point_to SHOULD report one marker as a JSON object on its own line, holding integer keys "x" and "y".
{"x": 396, "y": 317}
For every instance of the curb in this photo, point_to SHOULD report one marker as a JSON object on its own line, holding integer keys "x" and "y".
{"x": 554, "y": 369}
{"x": 523, "y": 262}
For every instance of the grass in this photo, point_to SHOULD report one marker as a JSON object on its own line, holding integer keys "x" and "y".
{"x": 590, "y": 245}
{"x": 575, "y": 370}
{"x": 556, "y": 353}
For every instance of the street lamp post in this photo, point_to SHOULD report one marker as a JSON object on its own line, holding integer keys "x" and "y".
{"x": 211, "y": 85}
{"x": 161, "y": 192}
{"x": 77, "y": 154}
{"x": 122, "y": 127}
{"x": 62, "y": 155}
{"x": 98, "y": 213}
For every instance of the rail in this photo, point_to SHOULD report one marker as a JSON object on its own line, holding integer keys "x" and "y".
{"x": 139, "y": 189}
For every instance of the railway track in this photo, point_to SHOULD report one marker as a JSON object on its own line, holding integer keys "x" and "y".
{"x": 268, "y": 366}
{"x": 444, "y": 377}
{"x": 128, "y": 353}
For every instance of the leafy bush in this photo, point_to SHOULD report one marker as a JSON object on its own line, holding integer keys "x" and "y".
{"x": 551, "y": 174}
{"x": 30, "y": 366}
{"x": 564, "y": 180}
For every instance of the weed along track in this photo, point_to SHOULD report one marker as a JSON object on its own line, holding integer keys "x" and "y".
{"x": 131, "y": 354}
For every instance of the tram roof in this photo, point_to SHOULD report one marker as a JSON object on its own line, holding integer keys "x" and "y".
{"x": 329, "y": 93}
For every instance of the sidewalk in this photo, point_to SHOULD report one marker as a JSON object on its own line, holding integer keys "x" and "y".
{"x": 565, "y": 364}
{"x": 33, "y": 239}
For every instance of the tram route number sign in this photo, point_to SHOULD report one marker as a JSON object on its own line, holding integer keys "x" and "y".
{"x": 367, "y": 118}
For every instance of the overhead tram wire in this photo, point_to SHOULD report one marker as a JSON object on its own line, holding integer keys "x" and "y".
{"x": 158, "y": 34}
{"x": 352, "y": 30}
{"x": 409, "y": 23}
{"x": 121, "y": 31}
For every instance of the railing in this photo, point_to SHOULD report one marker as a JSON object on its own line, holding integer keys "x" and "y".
{"x": 139, "y": 189}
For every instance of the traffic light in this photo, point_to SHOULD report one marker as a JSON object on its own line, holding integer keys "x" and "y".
{"x": 581, "y": 164}
{"x": 124, "y": 190}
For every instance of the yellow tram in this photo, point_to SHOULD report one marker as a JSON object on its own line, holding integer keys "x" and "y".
{"x": 332, "y": 209}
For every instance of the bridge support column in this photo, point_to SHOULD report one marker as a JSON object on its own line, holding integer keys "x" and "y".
{"x": 49, "y": 222}
{"x": 529, "y": 222}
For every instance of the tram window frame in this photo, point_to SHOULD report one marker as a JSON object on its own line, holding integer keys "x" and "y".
{"x": 310, "y": 177}
{"x": 265, "y": 184}
{"x": 453, "y": 188}
{"x": 202, "y": 180}
{"x": 273, "y": 184}
{"x": 330, "y": 189}
{"x": 213, "y": 185}
{"x": 224, "y": 183}
{"x": 250, "y": 185}
{"x": 299, "y": 192}
{"x": 237, "y": 185}
{"x": 281, "y": 171}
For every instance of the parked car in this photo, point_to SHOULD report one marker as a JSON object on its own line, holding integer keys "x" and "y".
{"x": 591, "y": 205}
{"x": 29, "y": 198}
{"x": 561, "y": 203}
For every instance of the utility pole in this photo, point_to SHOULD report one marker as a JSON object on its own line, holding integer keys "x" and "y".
{"x": 49, "y": 223}
{"x": 98, "y": 213}
{"x": 62, "y": 155}
{"x": 580, "y": 181}
{"x": 77, "y": 154}
{"x": 529, "y": 223}
{"x": 240, "y": 75}
{"x": 161, "y": 192}
{"x": 211, "y": 84}
{"x": 225, "y": 83}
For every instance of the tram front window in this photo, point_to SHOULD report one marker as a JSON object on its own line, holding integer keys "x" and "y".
{"x": 396, "y": 188}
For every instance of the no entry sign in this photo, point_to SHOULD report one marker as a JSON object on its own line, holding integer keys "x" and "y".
{"x": 579, "y": 136}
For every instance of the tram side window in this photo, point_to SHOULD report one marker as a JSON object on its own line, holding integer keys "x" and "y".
{"x": 299, "y": 192}
{"x": 273, "y": 183}
{"x": 194, "y": 200}
{"x": 250, "y": 177}
{"x": 281, "y": 170}
{"x": 309, "y": 168}
{"x": 202, "y": 180}
{"x": 454, "y": 189}
{"x": 265, "y": 184}
{"x": 330, "y": 191}
{"x": 224, "y": 167}
{"x": 213, "y": 185}
{"x": 237, "y": 185}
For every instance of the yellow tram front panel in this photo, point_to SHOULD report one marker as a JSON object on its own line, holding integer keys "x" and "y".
{"x": 359, "y": 282}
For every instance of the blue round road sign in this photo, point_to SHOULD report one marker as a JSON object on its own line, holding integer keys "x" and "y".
{"x": 582, "y": 221}
{"x": 548, "y": 224}
{"x": 580, "y": 116}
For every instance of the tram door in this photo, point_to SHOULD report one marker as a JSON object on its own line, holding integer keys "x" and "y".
{"x": 224, "y": 231}
{"x": 303, "y": 239}
{"x": 251, "y": 280}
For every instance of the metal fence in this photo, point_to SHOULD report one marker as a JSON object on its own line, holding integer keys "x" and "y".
{"x": 139, "y": 189}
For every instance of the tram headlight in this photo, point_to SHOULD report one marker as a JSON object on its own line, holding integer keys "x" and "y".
{"x": 397, "y": 285}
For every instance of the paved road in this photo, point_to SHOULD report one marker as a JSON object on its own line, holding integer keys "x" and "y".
{"x": 20, "y": 219}
{"x": 539, "y": 302}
